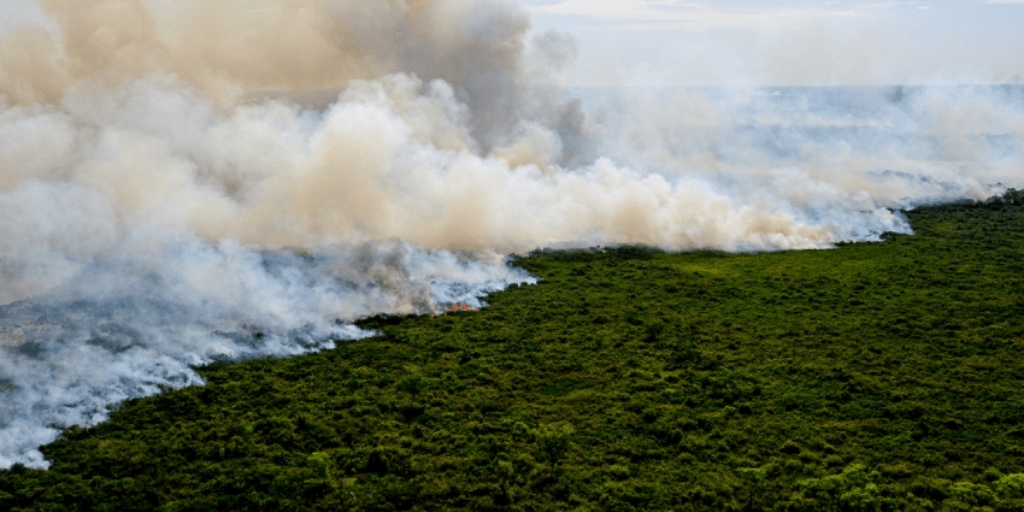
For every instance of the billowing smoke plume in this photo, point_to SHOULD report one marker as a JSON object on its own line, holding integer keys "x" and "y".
{"x": 183, "y": 181}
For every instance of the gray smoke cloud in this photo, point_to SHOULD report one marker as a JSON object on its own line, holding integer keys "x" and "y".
{"x": 174, "y": 193}
{"x": 129, "y": 324}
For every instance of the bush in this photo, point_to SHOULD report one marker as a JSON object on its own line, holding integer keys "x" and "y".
{"x": 553, "y": 442}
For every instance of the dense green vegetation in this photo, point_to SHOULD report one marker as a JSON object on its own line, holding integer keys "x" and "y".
{"x": 877, "y": 376}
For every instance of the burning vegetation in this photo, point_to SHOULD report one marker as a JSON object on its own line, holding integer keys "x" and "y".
{"x": 882, "y": 376}
{"x": 459, "y": 307}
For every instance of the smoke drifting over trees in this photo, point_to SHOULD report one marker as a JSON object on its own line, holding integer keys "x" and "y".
{"x": 170, "y": 192}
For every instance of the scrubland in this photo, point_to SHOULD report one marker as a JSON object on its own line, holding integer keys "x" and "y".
{"x": 874, "y": 376}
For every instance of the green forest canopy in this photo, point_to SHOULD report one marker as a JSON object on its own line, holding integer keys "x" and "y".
{"x": 876, "y": 376}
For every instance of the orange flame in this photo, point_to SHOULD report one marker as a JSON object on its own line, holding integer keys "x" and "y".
{"x": 459, "y": 307}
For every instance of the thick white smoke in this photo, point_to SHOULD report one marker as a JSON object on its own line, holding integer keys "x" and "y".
{"x": 127, "y": 323}
{"x": 172, "y": 192}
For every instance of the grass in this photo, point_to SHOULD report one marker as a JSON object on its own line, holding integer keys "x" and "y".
{"x": 883, "y": 376}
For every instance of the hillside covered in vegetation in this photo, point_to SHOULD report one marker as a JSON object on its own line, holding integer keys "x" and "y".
{"x": 879, "y": 376}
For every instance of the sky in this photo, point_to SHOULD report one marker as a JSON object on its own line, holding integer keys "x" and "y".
{"x": 787, "y": 42}
{"x": 769, "y": 42}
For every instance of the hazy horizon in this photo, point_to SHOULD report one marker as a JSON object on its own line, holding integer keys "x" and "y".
{"x": 789, "y": 42}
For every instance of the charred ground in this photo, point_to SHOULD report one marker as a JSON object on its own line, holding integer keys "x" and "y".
{"x": 869, "y": 377}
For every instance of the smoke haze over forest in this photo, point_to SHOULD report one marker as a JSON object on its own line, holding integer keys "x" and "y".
{"x": 182, "y": 182}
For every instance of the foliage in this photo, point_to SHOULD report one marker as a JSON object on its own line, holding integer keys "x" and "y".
{"x": 553, "y": 442}
{"x": 881, "y": 376}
